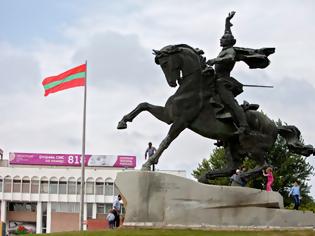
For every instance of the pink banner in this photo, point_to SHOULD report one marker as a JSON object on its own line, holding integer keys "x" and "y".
{"x": 121, "y": 161}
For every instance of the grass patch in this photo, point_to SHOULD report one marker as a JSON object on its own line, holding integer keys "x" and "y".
{"x": 184, "y": 232}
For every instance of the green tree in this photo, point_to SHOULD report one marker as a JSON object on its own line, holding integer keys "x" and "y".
{"x": 216, "y": 161}
{"x": 288, "y": 167}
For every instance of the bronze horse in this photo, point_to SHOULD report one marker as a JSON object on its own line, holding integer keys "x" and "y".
{"x": 193, "y": 106}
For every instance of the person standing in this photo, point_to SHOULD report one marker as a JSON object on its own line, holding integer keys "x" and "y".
{"x": 236, "y": 179}
{"x": 295, "y": 193}
{"x": 270, "y": 178}
{"x": 243, "y": 175}
{"x": 116, "y": 210}
{"x": 150, "y": 152}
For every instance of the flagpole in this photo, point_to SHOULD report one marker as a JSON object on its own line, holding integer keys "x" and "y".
{"x": 82, "y": 193}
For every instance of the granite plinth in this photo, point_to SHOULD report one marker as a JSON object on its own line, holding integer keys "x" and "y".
{"x": 158, "y": 199}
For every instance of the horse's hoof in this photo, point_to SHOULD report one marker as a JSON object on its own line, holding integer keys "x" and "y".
{"x": 146, "y": 167}
{"x": 122, "y": 125}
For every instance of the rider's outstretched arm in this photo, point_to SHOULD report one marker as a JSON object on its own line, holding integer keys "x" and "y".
{"x": 227, "y": 57}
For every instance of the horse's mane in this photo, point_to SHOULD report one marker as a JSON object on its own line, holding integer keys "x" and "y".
{"x": 171, "y": 49}
{"x": 196, "y": 50}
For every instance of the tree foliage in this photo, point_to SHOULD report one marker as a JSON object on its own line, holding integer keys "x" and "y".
{"x": 216, "y": 161}
{"x": 288, "y": 167}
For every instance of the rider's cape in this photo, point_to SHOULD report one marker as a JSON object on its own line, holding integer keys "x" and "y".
{"x": 254, "y": 58}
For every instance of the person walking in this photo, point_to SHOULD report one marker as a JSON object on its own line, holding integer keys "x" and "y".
{"x": 270, "y": 178}
{"x": 150, "y": 152}
{"x": 296, "y": 194}
{"x": 116, "y": 210}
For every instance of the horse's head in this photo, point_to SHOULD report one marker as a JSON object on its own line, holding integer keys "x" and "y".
{"x": 177, "y": 62}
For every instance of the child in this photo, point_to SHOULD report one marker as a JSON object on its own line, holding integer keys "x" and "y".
{"x": 269, "y": 178}
{"x": 111, "y": 219}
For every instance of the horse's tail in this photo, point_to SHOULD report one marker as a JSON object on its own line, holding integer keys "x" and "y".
{"x": 292, "y": 135}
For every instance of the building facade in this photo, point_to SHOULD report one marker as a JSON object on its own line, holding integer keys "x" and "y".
{"x": 49, "y": 197}
{"x": 46, "y": 199}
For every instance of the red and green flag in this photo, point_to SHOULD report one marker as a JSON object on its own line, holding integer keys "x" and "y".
{"x": 71, "y": 78}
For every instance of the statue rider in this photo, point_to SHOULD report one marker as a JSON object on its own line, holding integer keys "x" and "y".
{"x": 223, "y": 65}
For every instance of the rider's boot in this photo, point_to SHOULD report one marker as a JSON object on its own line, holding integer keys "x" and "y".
{"x": 243, "y": 128}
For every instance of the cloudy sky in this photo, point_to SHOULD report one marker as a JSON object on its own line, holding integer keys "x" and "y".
{"x": 44, "y": 38}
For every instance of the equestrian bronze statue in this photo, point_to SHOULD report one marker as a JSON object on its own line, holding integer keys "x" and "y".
{"x": 205, "y": 103}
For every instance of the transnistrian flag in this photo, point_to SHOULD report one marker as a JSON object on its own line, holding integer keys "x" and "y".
{"x": 71, "y": 78}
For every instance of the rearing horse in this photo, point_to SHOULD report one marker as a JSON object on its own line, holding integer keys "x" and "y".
{"x": 191, "y": 107}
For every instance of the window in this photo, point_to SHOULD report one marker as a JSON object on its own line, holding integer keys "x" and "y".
{"x": 90, "y": 186}
{"x": 16, "y": 184}
{"x": 71, "y": 186}
{"x": 109, "y": 187}
{"x": 44, "y": 185}
{"x": 22, "y": 206}
{"x": 79, "y": 186}
{"x": 100, "y": 208}
{"x": 44, "y": 217}
{"x": 108, "y": 207}
{"x": 99, "y": 187}
{"x": 25, "y": 185}
{"x": 89, "y": 209}
{"x": 34, "y": 185}
{"x": 53, "y": 185}
{"x": 71, "y": 207}
{"x": 7, "y": 184}
{"x": 62, "y": 186}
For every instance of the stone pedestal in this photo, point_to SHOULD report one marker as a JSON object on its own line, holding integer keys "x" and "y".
{"x": 164, "y": 200}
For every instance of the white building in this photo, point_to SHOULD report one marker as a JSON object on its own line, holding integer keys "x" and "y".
{"x": 46, "y": 198}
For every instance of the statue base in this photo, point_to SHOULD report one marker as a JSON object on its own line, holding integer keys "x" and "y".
{"x": 162, "y": 200}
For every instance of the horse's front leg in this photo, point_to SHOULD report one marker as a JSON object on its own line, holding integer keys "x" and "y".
{"x": 176, "y": 128}
{"x": 158, "y": 111}
{"x": 260, "y": 157}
